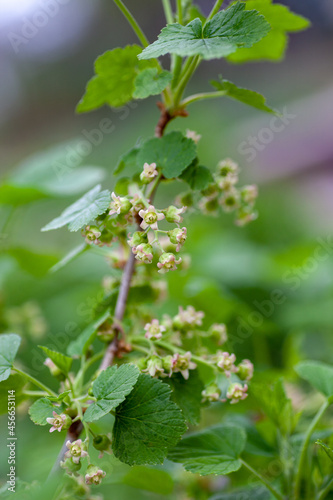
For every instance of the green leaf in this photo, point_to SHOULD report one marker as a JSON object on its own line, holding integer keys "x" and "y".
{"x": 151, "y": 82}
{"x": 172, "y": 152}
{"x": 114, "y": 83}
{"x": 15, "y": 382}
{"x": 222, "y": 35}
{"x": 154, "y": 480}
{"x": 212, "y": 451}
{"x": 327, "y": 449}
{"x": 34, "y": 263}
{"x": 276, "y": 405}
{"x": 197, "y": 177}
{"x": 73, "y": 254}
{"x": 246, "y": 96}
{"x": 63, "y": 362}
{"x": 18, "y": 195}
{"x": 80, "y": 345}
{"x": 147, "y": 424}
{"x": 110, "y": 388}
{"x": 54, "y": 172}
{"x": 43, "y": 409}
{"x": 273, "y": 47}
{"x": 187, "y": 395}
{"x": 127, "y": 160}
{"x": 9, "y": 344}
{"x": 318, "y": 374}
{"x": 83, "y": 211}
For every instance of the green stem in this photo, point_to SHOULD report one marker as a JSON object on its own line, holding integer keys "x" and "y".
{"x": 139, "y": 348}
{"x": 304, "y": 449}
{"x": 202, "y": 96}
{"x": 214, "y": 10}
{"x": 324, "y": 492}
{"x": 35, "y": 394}
{"x": 136, "y": 28}
{"x": 177, "y": 68}
{"x": 36, "y": 382}
{"x": 274, "y": 492}
{"x": 167, "y": 11}
{"x": 180, "y": 11}
{"x": 192, "y": 66}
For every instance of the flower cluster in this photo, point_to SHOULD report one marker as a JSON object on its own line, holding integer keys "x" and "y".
{"x": 225, "y": 193}
{"x": 158, "y": 366}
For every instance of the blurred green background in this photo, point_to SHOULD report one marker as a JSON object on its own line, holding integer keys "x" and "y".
{"x": 271, "y": 282}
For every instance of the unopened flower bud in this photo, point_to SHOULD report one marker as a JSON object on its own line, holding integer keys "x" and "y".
{"x": 70, "y": 467}
{"x": 137, "y": 238}
{"x": 148, "y": 173}
{"x": 178, "y": 237}
{"x": 167, "y": 363}
{"x": 168, "y": 262}
{"x": 211, "y": 393}
{"x": 55, "y": 371}
{"x": 94, "y": 475}
{"x": 155, "y": 366}
{"x": 102, "y": 442}
{"x": 119, "y": 205}
{"x": 237, "y": 392}
{"x": 219, "y": 333}
{"x": 173, "y": 214}
{"x": 91, "y": 234}
{"x": 245, "y": 370}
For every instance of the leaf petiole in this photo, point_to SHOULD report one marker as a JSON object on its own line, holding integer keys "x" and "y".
{"x": 130, "y": 18}
{"x": 36, "y": 382}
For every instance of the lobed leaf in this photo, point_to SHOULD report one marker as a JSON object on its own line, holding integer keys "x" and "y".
{"x": 276, "y": 405}
{"x": 187, "y": 395}
{"x": 147, "y": 423}
{"x": 43, "y": 409}
{"x": 246, "y": 96}
{"x": 151, "y": 82}
{"x": 83, "y": 211}
{"x": 80, "y": 345}
{"x": 197, "y": 177}
{"x": 114, "y": 83}
{"x": 319, "y": 375}
{"x": 110, "y": 388}
{"x": 63, "y": 362}
{"x": 327, "y": 449}
{"x": 212, "y": 451}
{"x": 273, "y": 47}
{"x": 227, "y": 31}
{"x": 9, "y": 344}
{"x": 173, "y": 153}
